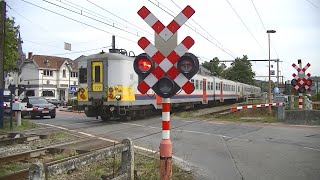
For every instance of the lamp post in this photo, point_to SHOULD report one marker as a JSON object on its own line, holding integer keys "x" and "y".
{"x": 269, "y": 84}
{"x": 42, "y": 84}
{"x": 69, "y": 66}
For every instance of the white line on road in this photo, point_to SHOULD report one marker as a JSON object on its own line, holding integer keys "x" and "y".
{"x": 109, "y": 140}
{"x": 312, "y": 148}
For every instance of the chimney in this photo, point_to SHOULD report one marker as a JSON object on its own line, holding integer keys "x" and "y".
{"x": 29, "y": 55}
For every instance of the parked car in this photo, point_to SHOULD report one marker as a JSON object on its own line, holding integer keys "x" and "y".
{"x": 55, "y": 102}
{"x": 40, "y": 107}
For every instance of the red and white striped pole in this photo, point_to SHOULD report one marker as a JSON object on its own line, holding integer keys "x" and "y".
{"x": 165, "y": 144}
{"x": 300, "y": 101}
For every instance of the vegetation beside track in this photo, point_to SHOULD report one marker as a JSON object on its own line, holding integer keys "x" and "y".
{"x": 25, "y": 125}
{"x": 146, "y": 168}
{"x": 245, "y": 115}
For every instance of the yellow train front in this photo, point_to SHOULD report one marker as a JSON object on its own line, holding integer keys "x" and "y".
{"x": 107, "y": 84}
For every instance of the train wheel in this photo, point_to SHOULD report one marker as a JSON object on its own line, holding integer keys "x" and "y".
{"x": 104, "y": 114}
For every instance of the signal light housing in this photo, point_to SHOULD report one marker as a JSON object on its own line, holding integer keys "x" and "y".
{"x": 309, "y": 82}
{"x": 143, "y": 65}
{"x": 188, "y": 65}
{"x": 302, "y": 89}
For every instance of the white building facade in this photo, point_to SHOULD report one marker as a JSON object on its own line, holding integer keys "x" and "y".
{"x": 49, "y": 76}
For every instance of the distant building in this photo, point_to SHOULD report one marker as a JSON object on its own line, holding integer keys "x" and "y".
{"x": 48, "y": 76}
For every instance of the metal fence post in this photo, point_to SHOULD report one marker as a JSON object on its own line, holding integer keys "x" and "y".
{"x": 36, "y": 171}
{"x": 127, "y": 158}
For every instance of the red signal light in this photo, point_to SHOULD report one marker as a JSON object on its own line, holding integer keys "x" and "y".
{"x": 144, "y": 65}
{"x": 309, "y": 82}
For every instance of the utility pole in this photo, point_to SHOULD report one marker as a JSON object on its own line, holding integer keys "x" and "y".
{"x": 278, "y": 73}
{"x": 2, "y": 37}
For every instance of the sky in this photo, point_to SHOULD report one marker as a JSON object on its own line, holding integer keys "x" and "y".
{"x": 221, "y": 28}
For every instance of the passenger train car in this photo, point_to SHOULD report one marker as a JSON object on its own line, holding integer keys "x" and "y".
{"x": 108, "y": 88}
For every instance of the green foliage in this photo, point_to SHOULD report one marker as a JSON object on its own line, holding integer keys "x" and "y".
{"x": 11, "y": 45}
{"x": 240, "y": 70}
{"x": 214, "y": 67}
{"x": 316, "y": 97}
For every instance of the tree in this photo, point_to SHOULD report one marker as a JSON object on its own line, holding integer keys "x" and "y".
{"x": 241, "y": 71}
{"x": 214, "y": 67}
{"x": 11, "y": 45}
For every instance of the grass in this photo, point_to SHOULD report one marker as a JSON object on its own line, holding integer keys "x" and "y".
{"x": 184, "y": 114}
{"x": 25, "y": 125}
{"x": 12, "y": 167}
{"x": 146, "y": 168}
{"x": 246, "y": 115}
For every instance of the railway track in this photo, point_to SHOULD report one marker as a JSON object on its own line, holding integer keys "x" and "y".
{"x": 48, "y": 154}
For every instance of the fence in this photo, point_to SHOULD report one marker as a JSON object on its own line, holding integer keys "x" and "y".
{"x": 40, "y": 171}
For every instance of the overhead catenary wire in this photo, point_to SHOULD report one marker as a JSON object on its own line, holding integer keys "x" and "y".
{"x": 157, "y": 5}
{"x": 204, "y": 29}
{"x": 95, "y": 14}
{"x": 118, "y": 16}
{"x": 111, "y": 25}
{"x": 264, "y": 27}
{"x": 27, "y": 19}
{"x": 245, "y": 25}
{"x": 312, "y": 3}
{"x": 76, "y": 52}
{"x": 77, "y": 20}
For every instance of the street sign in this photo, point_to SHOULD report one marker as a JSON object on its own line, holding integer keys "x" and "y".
{"x": 73, "y": 89}
{"x": 159, "y": 72}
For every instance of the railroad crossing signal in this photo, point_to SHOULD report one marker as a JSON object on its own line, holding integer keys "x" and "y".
{"x": 166, "y": 75}
{"x": 301, "y": 81}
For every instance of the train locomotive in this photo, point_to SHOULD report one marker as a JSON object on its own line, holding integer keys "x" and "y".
{"x": 108, "y": 89}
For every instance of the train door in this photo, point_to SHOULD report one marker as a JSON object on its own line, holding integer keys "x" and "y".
{"x": 221, "y": 92}
{"x": 97, "y": 76}
{"x": 204, "y": 92}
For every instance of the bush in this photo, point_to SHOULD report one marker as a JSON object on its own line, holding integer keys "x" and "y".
{"x": 316, "y": 97}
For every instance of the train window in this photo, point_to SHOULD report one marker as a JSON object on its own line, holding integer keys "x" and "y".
{"x": 208, "y": 85}
{"x": 97, "y": 74}
{"x": 197, "y": 84}
{"x": 200, "y": 85}
{"x": 192, "y": 81}
{"x": 211, "y": 85}
{"x": 238, "y": 89}
{"x": 83, "y": 75}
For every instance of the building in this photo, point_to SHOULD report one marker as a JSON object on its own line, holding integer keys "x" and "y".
{"x": 48, "y": 76}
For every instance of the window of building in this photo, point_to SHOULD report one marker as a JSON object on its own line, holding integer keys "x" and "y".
{"x": 82, "y": 75}
{"x": 64, "y": 73}
{"x": 48, "y": 93}
{"x": 74, "y": 74}
{"x": 47, "y": 73}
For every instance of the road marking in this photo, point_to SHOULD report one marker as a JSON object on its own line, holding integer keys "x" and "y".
{"x": 315, "y": 149}
{"x": 113, "y": 141}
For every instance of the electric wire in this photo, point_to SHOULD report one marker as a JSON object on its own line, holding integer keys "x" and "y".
{"x": 194, "y": 30}
{"x": 111, "y": 25}
{"x": 245, "y": 25}
{"x": 118, "y": 16}
{"x": 312, "y": 3}
{"x": 204, "y": 29}
{"x": 94, "y": 27}
{"x": 264, "y": 27}
{"x": 83, "y": 9}
{"x": 27, "y": 19}
{"x": 76, "y": 52}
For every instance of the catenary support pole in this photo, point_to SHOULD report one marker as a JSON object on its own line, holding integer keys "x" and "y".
{"x": 2, "y": 40}
{"x": 165, "y": 144}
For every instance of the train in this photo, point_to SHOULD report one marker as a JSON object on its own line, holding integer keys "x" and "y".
{"x": 108, "y": 89}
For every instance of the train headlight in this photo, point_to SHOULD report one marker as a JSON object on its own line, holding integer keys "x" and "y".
{"x": 118, "y": 97}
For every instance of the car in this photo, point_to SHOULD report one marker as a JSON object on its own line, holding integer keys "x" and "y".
{"x": 55, "y": 102}
{"x": 6, "y": 104}
{"x": 40, "y": 107}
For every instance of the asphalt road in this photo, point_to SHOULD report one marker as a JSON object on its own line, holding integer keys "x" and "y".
{"x": 218, "y": 150}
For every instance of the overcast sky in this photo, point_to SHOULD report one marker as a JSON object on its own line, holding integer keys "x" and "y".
{"x": 216, "y": 28}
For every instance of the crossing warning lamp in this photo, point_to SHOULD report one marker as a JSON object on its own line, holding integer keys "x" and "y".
{"x": 309, "y": 82}
{"x": 302, "y": 89}
{"x": 143, "y": 65}
{"x": 166, "y": 87}
{"x": 188, "y": 65}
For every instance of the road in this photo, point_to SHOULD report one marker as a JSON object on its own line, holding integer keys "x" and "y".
{"x": 217, "y": 150}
